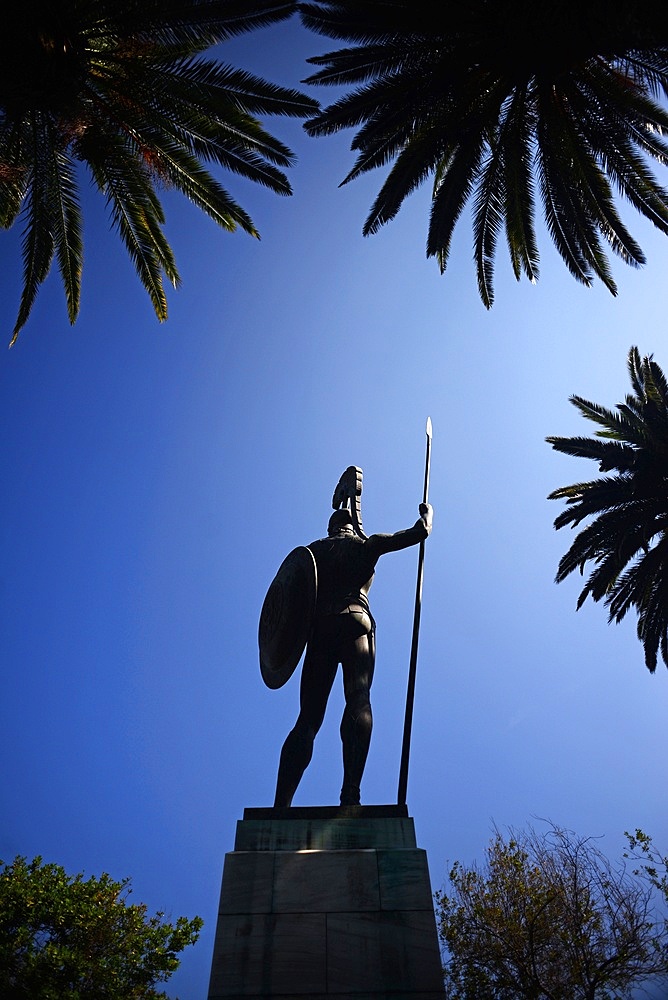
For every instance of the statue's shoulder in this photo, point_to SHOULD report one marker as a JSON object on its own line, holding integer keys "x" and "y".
{"x": 324, "y": 547}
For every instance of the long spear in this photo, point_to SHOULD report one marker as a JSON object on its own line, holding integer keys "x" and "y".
{"x": 410, "y": 694}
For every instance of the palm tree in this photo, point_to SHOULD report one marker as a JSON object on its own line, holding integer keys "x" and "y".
{"x": 118, "y": 86}
{"x": 627, "y": 540}
{"x": 505, "y": 102}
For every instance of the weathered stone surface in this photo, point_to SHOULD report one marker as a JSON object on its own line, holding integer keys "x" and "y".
{"x": 325, "y": 881}
{"x": 324, "y": 834}
{"x": 404, "y": 880}
{"x": 351, "y": 922}
{"x": 327, "y": 812}
{"x": 382, "y": 952}
{"x": 248, "y": 883}
{"x": 262, "y": 955}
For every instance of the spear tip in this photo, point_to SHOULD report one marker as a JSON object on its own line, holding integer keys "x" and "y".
{"x": 429, "y": 427}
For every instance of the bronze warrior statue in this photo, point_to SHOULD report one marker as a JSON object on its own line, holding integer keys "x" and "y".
{"x": 341, "y": 630}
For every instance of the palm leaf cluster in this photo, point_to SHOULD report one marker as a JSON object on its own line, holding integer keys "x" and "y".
{"x": 505, "y": 103}
{"x": 626, "y": 539}
{"x": 120, "y": 86}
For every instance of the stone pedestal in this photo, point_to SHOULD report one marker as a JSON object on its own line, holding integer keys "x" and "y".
{"x": 326, "y": 902}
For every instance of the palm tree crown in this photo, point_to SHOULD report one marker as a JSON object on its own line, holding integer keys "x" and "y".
{"x": 504, "y": 101}
{"x": 627, "y": 540}
{"x": 118, "y": 86}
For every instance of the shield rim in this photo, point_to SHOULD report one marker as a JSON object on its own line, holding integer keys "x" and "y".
{"x": 274, "y": 677}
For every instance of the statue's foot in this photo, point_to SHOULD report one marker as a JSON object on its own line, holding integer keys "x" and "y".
{"x": 350, "y": 795}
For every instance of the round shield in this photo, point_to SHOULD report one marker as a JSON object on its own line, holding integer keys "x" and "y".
{"x": 286, "y": 618}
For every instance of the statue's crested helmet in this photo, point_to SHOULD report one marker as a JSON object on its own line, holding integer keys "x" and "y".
{"x": 339, "y": 519}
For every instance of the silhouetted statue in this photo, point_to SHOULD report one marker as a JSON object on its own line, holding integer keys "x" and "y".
{"x": 336, "y": 621}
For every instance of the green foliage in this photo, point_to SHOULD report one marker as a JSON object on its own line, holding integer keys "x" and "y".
{"x": 627, "y": 540}
{"x": 501, "y": 102}
{"x": 63, "y": 936}
{"x": 119, "y": 86}
{"x": 548, "y": 917}
{"x": 654, "y": 866}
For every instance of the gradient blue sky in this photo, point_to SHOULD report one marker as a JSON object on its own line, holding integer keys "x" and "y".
{"x": 155, "y": 477}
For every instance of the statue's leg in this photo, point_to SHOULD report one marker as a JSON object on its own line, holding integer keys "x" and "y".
{"x": 318, "y": 674}
{"x": 358, "y": 664}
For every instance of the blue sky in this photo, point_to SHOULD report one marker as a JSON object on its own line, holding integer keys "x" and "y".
{"x": 156, "y": 476}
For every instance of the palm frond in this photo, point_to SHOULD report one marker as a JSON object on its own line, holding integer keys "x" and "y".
{"x": 214, "y": 85}
{"x": 375, "y": 105}
{"x": 488, "y": 219}
{"x": 411, "y": 168}
{"x": 625, "y": 541}
{"x": 38, "y": 239}
{"x": 596, "y": 194}
{"x": 67, "y": 229}
{"x": 610, "y": 454}
{"x": 519, "y": 186}
{"x": 14, "y": 170}
{"x": 136, "y": 214}
{"x": 187, "y": 175}
{"x": 239, "y": 147}
{"x": 572, "y": 225}
{"x": 648, "y": 67}
{"x": 619, "y": 426}
{"x": 453, "y": 184}
{"x": 656, "y": 384}
{"x": 365, "y": 22}
{"x": 127, "y": 81}
{"x": 635, "y": 585}
{"x": 198, "y": 23}
{"x": 593, "y": 497}
{"x": 577, "y": 117}
{"x": 616, "y": 105}
{"x": 379, "y": 63}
